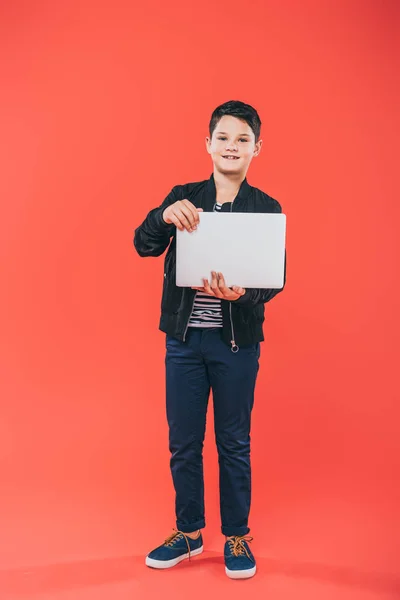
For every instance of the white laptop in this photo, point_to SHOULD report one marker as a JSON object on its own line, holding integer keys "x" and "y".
{"x": 247, "y": 248}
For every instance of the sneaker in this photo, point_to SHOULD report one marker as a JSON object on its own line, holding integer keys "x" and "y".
{"x": 239, "y": 560}
{"x": 176, "y": 548}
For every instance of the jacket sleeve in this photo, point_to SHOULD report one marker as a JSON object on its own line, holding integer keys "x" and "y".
{"x": 255, "y": 296}
{"x": 153, "y": 236}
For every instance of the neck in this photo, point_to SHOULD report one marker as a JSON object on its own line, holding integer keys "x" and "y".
{"x": 227, "y": 187}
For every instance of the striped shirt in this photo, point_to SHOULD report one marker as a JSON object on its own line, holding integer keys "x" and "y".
{"x": 207, "y": 310}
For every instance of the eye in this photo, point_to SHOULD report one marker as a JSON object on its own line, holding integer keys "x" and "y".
{"x": 222, "y": 138}
{"x": 243, "y": 140}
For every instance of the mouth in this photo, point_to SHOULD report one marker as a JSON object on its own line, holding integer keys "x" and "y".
{"x": 230, "y": 157}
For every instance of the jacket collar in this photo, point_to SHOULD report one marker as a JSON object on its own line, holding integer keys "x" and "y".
{"x": 211, "y": 193}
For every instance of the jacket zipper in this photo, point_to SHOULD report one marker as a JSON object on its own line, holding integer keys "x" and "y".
{"x": 234, "y": 346}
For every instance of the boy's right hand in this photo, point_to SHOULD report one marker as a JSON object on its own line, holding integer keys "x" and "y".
{"x": 183, "y": 214}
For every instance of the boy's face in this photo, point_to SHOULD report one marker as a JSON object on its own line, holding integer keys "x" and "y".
{"x": 232, "y": 146}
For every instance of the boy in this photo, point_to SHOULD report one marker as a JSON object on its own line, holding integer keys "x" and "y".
{"x": 213, "y": 336}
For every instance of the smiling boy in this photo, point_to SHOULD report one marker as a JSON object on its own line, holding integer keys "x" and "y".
{"x": 213, "y": 336}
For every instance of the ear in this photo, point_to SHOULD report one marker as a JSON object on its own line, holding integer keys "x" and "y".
{"x": 257, "y": 148}
{"x": 208, "y": 145}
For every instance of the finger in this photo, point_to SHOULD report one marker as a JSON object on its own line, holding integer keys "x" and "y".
{"x": 187, "y": 213}
{"x": 183, "y": 219}
{"x": 225, "y": 291}
{"x": 174, "y": 219}
{"x": 221, "y": 283}
{"x": 214, "y": 285}
{"x": 195, "y": 211}
{"x": 207, "y": 288}
{"x": 199, "y": 210}
{"x": 239, "y": 290}
{"x": 191, "y": 212}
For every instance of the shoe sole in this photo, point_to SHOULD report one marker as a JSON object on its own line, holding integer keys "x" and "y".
{"x": 246, "y": 574}
{"x": 167, "y": 564}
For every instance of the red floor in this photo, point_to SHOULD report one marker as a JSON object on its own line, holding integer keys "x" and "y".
{"x": 128, "y": 578}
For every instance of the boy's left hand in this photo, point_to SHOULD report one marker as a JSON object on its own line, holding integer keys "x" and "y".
{"x": 219, "y": 289}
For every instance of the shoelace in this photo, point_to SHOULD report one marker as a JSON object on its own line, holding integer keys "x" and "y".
{"x": 237, "y": 545}
{"x": 175, "y": 536}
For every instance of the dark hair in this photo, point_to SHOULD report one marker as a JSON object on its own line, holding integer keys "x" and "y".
{"x": 240, "y": 110}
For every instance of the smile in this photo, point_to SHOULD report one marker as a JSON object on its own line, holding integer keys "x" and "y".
{"x": 231, "y": 157}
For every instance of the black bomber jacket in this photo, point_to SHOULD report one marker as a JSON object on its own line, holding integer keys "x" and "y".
{"x": 243, "y": 318}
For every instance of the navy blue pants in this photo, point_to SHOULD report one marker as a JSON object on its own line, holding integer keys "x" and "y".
{"x": 193, "y": 368}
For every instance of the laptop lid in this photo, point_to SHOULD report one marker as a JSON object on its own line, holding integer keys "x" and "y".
{"x": 247, "y": 248}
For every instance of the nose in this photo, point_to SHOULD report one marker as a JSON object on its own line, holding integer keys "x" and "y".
{"x": 231, "y": 146}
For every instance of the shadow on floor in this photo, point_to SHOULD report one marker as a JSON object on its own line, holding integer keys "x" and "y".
{"x": 67, "y": 576}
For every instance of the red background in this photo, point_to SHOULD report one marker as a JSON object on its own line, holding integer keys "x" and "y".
{"x": 104, "y": 107}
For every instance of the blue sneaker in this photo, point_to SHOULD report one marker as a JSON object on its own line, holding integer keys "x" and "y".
{"x": 239, "y": 560}
{"x": 176, "y": 548}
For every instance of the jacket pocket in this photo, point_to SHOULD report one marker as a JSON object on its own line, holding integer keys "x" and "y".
{"x": 171, "y": 295}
